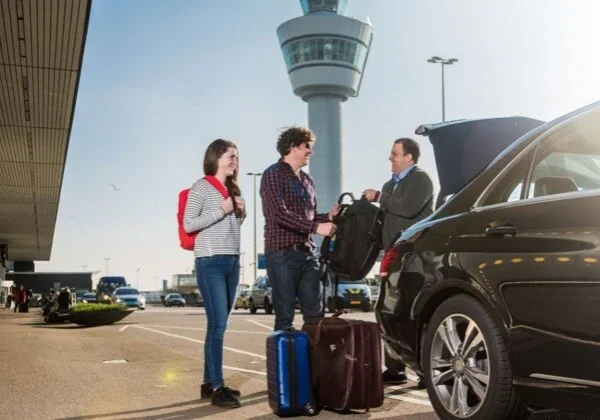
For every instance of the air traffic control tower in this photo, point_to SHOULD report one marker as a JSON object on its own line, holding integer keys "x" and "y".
{"x": 325, "y": 53}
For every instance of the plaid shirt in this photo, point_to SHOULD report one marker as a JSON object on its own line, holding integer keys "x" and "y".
{"x": 289, "y": 206}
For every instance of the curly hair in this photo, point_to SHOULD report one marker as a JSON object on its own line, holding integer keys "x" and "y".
{"x": 294, "y": 137}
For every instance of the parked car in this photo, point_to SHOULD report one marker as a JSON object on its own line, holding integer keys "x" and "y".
{"x": 89, "y": 297}
{"x": 374, "y": 288}
{"x": 107, "y": 286}
{"x": 241, "y": 301}
{"x": 129, "y": 297}
{"x": 261, "y": 296}
{"x": 174, "y": 299}
{"x": 493, "y": 299}
{"x": 354, "y": 294}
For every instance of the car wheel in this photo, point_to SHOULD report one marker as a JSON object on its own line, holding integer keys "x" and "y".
{"x": 268, "y": 307}
{"x": 366, "y": 307}
{"x": 466, "y": 363}
{"x": 252, "y": 307}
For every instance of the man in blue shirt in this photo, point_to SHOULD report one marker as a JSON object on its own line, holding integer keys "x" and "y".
{"x": 406, "y": 199}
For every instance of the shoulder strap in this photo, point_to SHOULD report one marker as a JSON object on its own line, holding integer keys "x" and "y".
{"x": 217, "y": 185}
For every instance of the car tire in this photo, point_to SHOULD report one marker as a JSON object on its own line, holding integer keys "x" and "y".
{"x": 252, "y": 307}
{"x": 457, "y": 383}
{"x": 366, "y": 307}
{"x": 268, "y": 307}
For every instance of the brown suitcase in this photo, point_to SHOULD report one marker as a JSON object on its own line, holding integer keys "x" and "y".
{"x": 346, "y": 363}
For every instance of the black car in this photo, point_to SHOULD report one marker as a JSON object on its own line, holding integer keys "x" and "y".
{"x": 495, "y": 298}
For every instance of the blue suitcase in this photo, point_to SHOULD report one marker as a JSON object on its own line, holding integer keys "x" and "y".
{"x": 288, "y": 374}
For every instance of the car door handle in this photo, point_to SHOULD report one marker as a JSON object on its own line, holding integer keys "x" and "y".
{"x": 501, "y": 230}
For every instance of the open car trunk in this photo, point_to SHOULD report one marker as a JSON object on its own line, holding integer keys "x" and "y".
{"x": 463, "y": 148}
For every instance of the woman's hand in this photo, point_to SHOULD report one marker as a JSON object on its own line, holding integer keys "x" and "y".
{"x": 241, "y": 206}
{"x": 226, "y": 206}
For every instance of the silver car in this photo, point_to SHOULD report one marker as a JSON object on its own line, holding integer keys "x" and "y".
{"x": 129, "y": 297}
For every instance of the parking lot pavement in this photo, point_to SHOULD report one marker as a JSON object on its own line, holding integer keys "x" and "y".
{"x": 181, "y": 330}
{"x": 149, "y": 366}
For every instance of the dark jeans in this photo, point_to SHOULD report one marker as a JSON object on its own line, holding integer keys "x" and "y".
{"x": 218, "y": 277}
{"x": 393, "y": 365}
{"x": 294, "y": 273}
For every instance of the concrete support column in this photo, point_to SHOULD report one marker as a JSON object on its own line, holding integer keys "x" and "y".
{"x": 325, "y": 167}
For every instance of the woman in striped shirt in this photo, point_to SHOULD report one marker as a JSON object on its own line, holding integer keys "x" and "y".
{"x": 217, "y": 217}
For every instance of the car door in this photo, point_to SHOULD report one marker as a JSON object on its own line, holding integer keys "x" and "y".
{"x": 261, "y": 286}
{"x": 254, "y": 292}
{"x": 532, "y": 242}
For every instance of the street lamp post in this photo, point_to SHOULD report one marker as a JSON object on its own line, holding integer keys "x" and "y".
{"x": 243, "y": 267}
{"x": 255, "y": 175}
{"x": 106, "y": 260}
{"x": 443, "y": 62}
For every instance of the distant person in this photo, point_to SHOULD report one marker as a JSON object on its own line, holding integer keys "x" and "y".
{"x": 18, "y": 297}
{"x": 290, "y": 210}
{"x": 217, "y": 252}
{"x": 64, "y": 299}
{"x": 406, "y": 199}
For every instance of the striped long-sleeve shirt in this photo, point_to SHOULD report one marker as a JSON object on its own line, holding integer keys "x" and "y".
{"x": 219, "y": 234}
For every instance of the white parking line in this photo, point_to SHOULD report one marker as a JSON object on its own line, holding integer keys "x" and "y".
{"x": 193, "y": 340}
{"x": 407, "y": 390}
{"x": 412, "y": 377}
{"x": 259, "y": 324}
{"x": 256, "y": 372}
{"x": 408, "y": 399}
{"x": 204, "y": 329}
{"x": 123, "y": 328}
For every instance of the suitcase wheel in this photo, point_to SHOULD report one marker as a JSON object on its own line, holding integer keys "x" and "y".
{"x": 310, "y": 410}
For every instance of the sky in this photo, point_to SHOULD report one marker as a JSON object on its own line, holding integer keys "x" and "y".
{"x": 160, "y": 80}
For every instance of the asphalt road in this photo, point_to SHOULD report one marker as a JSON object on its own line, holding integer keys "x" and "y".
{"x": 149, "y": 366}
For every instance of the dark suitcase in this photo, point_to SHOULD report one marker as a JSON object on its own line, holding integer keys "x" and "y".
{"x": 289, "y": 375}
{"x": 346, "y": 363}
{"x": 23, "y": 307}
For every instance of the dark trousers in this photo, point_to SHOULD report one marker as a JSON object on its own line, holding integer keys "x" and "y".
{"x": 294, "y": 273}
{"x": 393, "y": 365}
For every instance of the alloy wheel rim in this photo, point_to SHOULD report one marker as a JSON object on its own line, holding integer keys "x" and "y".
{"x": 459, "y": 365}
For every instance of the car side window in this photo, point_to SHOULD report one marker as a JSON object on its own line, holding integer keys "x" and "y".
{"x": 510, "y": 187}
{"x": 568, "y": 160}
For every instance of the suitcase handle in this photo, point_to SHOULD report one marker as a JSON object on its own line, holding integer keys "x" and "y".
{"x": 320, "y": 324}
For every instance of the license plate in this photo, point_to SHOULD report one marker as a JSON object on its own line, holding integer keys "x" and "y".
{"x": 355, "y": 302}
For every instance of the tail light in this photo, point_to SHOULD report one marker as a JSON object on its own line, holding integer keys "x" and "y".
{"x": 389, "y": 257}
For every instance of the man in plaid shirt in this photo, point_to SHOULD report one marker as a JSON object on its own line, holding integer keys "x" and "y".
{"x": 290, "y": 211}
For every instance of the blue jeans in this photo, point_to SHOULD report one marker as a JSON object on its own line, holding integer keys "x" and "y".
{"x": 294, "y": 273}
{"x": 218, "y": 277}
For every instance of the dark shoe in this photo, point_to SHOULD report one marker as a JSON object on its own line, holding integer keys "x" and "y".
{"x": 394, "y": 378}
{"x": 206, "y": 391}
{"x": 421, "y": 383}
{"x": 223, "y": 397}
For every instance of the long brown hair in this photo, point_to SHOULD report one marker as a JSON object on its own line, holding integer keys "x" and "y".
{"x": 211, "y": 164}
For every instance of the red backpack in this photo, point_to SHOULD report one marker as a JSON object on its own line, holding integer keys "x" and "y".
{"x": 187, "y": 240}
